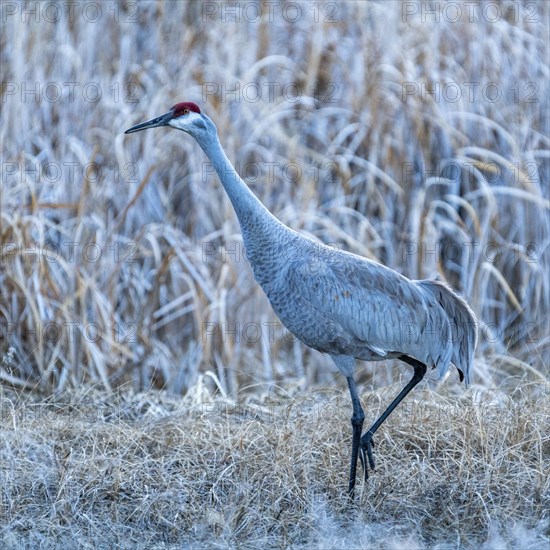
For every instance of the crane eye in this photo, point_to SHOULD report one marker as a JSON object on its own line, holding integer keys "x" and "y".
{"x": 186, "y": 111}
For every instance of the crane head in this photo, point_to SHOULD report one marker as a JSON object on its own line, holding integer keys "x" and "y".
{"x": 185, "y": 116}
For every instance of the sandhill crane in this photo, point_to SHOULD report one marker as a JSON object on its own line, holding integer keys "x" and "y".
{"x": 336, "y": 302}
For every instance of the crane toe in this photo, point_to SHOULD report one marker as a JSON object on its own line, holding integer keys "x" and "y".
{"x": 365, "y": 453}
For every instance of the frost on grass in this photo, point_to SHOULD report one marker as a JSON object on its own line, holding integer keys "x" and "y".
{"x": 146, "y": 470}
{"x": 122, "y": 259}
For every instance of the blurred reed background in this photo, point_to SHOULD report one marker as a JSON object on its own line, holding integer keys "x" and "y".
{"x": 418, "y": 141}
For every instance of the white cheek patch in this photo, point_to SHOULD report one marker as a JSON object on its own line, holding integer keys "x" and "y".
{"x": 187, "y": 122}
{"x": 178, "y": 123}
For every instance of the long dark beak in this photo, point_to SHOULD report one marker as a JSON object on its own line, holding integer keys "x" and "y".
{"x": 161, "y": 120}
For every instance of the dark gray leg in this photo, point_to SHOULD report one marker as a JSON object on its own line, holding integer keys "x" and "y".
{"x": 366, "y": 444}
{"x": 357, "y": 426}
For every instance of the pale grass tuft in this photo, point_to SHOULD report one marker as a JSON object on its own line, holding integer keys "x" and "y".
{"x": 126, "y": 470}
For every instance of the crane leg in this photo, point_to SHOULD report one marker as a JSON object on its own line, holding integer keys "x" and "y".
{"x": 357, "y": 426}
{"x": 366, "y": 444}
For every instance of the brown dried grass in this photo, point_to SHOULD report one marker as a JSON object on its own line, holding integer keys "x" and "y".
{"x": 125, "y": 470}
{"x": 170, "y": 258}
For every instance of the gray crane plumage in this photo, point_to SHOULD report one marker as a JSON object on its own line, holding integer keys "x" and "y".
{"x": 336, "y": 302}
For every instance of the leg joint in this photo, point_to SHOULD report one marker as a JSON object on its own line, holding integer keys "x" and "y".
{"x": 419, "y": 368}
{"x": 358, "y": 419}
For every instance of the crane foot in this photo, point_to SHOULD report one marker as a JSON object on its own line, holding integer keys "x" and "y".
{"x": 365, "y": 453}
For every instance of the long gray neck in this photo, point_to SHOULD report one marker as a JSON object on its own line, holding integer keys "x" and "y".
{"x": 250, "y": 211}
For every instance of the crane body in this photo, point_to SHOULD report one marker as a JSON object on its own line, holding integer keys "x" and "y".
{"x": 337, "y": 302}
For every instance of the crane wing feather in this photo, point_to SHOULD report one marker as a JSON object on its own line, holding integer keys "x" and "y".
{"x": 375, "y": 311}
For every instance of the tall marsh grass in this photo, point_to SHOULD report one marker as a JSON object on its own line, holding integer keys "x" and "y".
{"x": 420, "y": 143}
